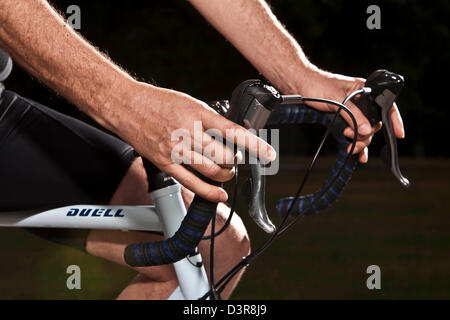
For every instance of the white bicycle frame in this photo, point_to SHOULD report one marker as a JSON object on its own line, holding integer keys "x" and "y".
{"x": 166, "y": 216}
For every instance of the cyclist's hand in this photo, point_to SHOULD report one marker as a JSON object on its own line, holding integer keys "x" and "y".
{"x": 337, "y": 87}
{"x": 158, "y": 113}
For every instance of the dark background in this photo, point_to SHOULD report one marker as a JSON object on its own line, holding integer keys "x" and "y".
{"x": 405, "y": 232}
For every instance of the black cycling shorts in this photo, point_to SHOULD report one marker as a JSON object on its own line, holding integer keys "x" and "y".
{"x": 48, "y": 159}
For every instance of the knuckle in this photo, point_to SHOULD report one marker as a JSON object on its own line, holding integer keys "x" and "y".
{"x": 186, "y": 180}
{"x": 212, "y": 194}
{"x": 233, "y": 129}
{"x": 228, "y": 157}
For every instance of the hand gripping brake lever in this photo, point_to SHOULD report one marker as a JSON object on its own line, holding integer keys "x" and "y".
{"x": 382, "y": 88}
{"x": 251, "y": 106}
{"x": 255, "y": 105}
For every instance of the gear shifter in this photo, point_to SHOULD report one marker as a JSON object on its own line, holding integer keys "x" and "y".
{"x": 376, "y": 107}
{"x": 251, "y": 106}
{"x": 254, "y": 103}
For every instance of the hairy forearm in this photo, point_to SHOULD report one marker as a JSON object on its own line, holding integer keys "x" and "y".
{"x": 253, "y": 29}
{"x": 39, "y": 39}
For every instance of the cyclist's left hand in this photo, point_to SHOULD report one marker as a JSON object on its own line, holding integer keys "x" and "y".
{"x": 337, "y": 87}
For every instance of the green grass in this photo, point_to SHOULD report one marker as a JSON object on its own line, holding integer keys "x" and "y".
{"x": 405, "y": 232}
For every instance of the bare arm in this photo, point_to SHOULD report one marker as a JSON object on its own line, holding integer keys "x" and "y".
{"x": 254, "y": 30}
{"x": 48, "y": 48}
{"x": 143, "y": 115}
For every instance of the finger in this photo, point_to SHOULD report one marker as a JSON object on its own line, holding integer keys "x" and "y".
{"x": 364, "y": 141}
{"x": 195, "y": 184}
{"x": 350, "y": 133}
{"x": 359, "y": 147}
{"x": 238, "y": 158}
{"x": 364, "y": 127}
{"x": 397, "y": 122}
{"x": 187, "y": 195}
{"x": 240, "y": 136}
{"x": 203, "y": 165}
{"x": 212, "y": 170}
{"x": 212, "y": 146}
{"x": 364, "y": 155}
{"x": 378, "y": 126}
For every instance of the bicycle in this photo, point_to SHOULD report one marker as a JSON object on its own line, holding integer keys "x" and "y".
{"x": 255, "y": 105}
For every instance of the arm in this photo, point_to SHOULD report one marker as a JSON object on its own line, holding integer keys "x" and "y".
{"x": 56, "y": 55}
{"x": 255, "y": 31}
{"x": 143, "y": 115}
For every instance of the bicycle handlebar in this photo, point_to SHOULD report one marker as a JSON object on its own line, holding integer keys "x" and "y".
{"x": 384, "y": 89}
{"x": 189, "y": 234}
{"x": 255, "y": 105}
{"x": 302, "y": 114}
{"x": 180, "y": 245}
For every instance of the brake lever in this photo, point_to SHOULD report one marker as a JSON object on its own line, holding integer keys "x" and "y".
{"x": 385, "y": 86}
{"x": 255, "y": 189}
{"x": 251, "y": 106}
{"x": 252, "y": 103}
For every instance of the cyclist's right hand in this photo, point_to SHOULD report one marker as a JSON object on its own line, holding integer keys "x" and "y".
{"x": 154, "y": 115}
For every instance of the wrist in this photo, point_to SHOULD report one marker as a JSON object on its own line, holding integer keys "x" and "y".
{"x": 293, "y": 75}
{"x": 138, "y": 103}
{"x": 307, "y": 76}
{"x": 115, "y": 105}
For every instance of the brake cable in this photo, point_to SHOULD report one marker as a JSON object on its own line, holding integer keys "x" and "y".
{"x": 232, "y": 208}
{"x": 246, "y": 260}
{"x": 363, "y": 90}
{"x": 214, "y": 292}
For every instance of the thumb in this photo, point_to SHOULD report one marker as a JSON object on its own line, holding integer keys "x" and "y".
{"x": 364, "y": 127}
